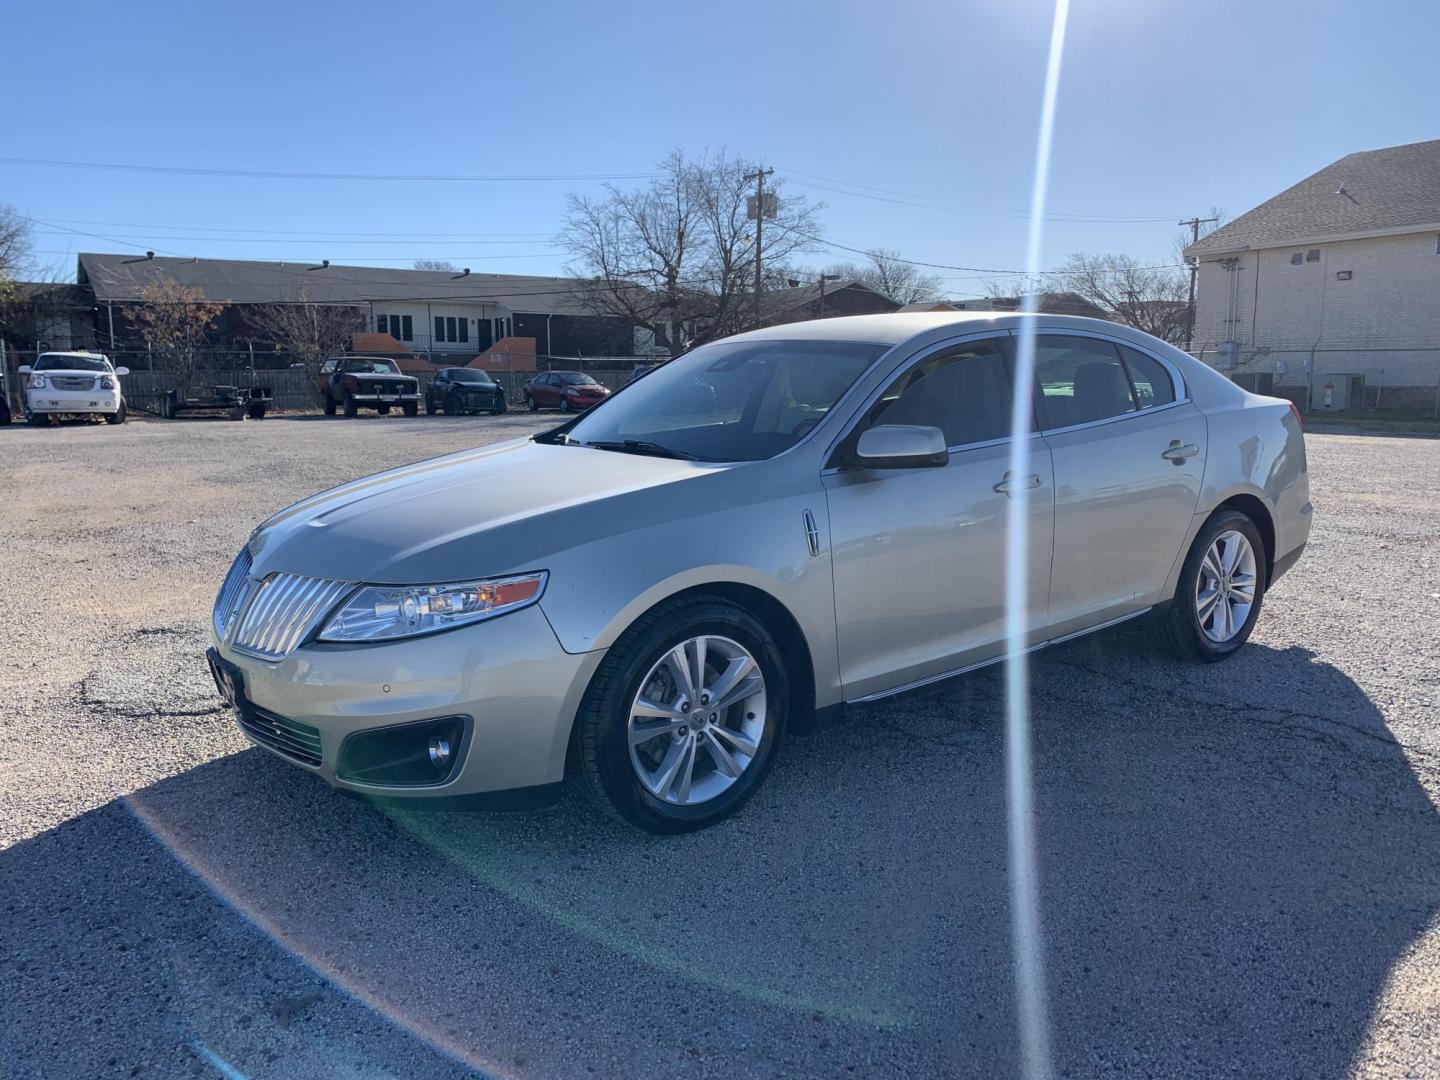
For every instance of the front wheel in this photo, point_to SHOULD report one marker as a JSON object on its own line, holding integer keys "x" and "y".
{"x": 118, "y": 416}
{"x": 40, "y": 419}
{"x": 683, "y": 718}
{"x": 531, "y": 403}
{"x": 1222, "y": 584}
{"x": 498, "y": 407}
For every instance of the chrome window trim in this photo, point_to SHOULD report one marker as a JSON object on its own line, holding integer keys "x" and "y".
{"x": 1151, "y": 411}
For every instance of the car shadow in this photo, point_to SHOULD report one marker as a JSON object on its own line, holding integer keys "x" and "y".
{"x": 1232, "y": 860}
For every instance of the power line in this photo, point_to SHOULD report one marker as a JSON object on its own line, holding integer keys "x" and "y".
{"x": 266, "y": 174}
{"x": 285, "y": 232}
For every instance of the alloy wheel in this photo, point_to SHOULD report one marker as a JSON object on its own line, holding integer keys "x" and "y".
{"x": 698, "y": 720}
{"x": 1225, "y": 586}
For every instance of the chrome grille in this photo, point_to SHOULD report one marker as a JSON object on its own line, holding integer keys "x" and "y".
{"x": 73, "y": 382}
{"x": 231, "y": 591}
{"x": 282, "y": 610}
{"x": 280, "y": 733}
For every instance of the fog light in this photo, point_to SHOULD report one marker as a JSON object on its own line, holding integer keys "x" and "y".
{"x": 419, "y": 754}
{"x": 439, "y": 751}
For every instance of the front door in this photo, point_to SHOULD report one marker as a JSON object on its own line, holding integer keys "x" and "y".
{"x": 1129, "y": 456}
{"x": 919, "y": 553}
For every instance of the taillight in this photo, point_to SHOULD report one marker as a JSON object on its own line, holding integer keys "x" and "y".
{"x": 1295, "y": 412}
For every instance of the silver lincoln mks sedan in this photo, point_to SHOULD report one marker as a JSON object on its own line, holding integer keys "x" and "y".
{"x": 759, "y": 534}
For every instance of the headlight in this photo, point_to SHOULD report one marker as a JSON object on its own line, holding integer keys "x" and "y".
{"x": 37, "y": 382}
{"x": 385, "y": 612}
{"x": 107, "y": 383}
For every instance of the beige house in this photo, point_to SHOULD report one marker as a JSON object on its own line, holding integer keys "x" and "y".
{"x": 1337, "y": 276}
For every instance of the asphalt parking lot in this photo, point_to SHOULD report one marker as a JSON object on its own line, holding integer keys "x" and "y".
{"x": 1240, "y": 863}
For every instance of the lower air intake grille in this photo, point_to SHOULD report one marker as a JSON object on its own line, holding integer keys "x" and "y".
{"x": 289, "y": 737}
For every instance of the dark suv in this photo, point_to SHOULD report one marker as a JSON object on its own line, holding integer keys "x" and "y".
{"x": 464, "y": 390}
{"x": 353, "y": 383}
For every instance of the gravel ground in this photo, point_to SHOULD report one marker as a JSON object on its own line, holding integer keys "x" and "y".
{"x": 1240, "y": 863}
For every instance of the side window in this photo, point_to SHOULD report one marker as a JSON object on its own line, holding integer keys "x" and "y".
{"x": 327, "y": 367}
{"x": 1152, "y": 383}
{"x": 1081, "y": 381}
{"x": 964, "y": 391}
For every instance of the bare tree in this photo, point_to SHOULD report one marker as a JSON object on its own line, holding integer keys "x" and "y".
{"x": 311, "y": 333}
{"x": 16, "y": 249}
{"x": 887, "y": 273}
{"x": 436, "y": 264}
{"x": 1147, "y": 296}
{"x": 174, "y": 320}
{"x": 680, "y": 251}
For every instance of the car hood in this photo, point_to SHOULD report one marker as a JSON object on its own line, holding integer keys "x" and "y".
{"x": 500, "y": 509}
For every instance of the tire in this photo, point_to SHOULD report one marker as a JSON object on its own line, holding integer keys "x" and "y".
{"x": 255, "y": 410}
{"x": 531, "y": 404}
{"x": 328, "y": 404}
{"x": 1188, "y": 635}
{"x": 600, "y": 745}
{"x": 430, "y": 410}
{"x": 410, "y": 408}
{"x": 39, "y": 419}
{"x": 351, "y": 408}
{"x": 118, "y": 416}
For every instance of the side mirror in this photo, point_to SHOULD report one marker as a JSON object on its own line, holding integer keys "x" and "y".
{"x": 902, "y": 446}
{"x": 23, "y": 369}
{"x": 122, "y": 371}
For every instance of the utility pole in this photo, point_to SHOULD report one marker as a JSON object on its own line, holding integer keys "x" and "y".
{"x": 1194, "y": 224}
{"x": 759, "y": 176}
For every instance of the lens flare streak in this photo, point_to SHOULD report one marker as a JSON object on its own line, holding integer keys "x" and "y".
{"x": 1025, "y": 926}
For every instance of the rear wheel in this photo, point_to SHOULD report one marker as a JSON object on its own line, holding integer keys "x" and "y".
{"x": 1222, "y": 585}
{"x": 682, "y": 720}
{"x": 118, "y": 416}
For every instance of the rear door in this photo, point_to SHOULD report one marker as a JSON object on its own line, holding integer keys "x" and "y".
{"x": 1128, "y": 448}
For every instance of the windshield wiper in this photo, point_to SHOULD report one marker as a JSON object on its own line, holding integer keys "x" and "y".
{"x": 642, "y": 446}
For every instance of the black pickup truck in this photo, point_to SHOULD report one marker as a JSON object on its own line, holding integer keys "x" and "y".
{"x": 352, "y": 383}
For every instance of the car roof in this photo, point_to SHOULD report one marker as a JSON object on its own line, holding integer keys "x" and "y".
{"x": 893, "y": 329}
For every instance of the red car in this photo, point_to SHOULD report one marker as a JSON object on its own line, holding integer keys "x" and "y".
{"x": 568, "y": 391}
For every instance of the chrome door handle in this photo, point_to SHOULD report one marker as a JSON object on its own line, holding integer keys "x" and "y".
{"x": 1009, "y": 484}
{"x": 1177, "y": 453}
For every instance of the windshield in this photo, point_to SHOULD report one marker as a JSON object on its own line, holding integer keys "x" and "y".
{"x": 732, "y": 400}
{"x": 372, "y": 367}
{"x": 51, "y": 362}
{"x": 466, "y": 375}
{"x": 575, "y": 378}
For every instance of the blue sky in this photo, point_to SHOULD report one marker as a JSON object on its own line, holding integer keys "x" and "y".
{"x": 1167, "y": 107}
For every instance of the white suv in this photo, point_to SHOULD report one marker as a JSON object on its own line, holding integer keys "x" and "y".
{"x": 73, "y": 383}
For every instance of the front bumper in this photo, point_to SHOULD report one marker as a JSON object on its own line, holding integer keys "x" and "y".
{"x": 509, "y": 676}
{"x": 386, "y": 398}
{"x": 50, "y": 400}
